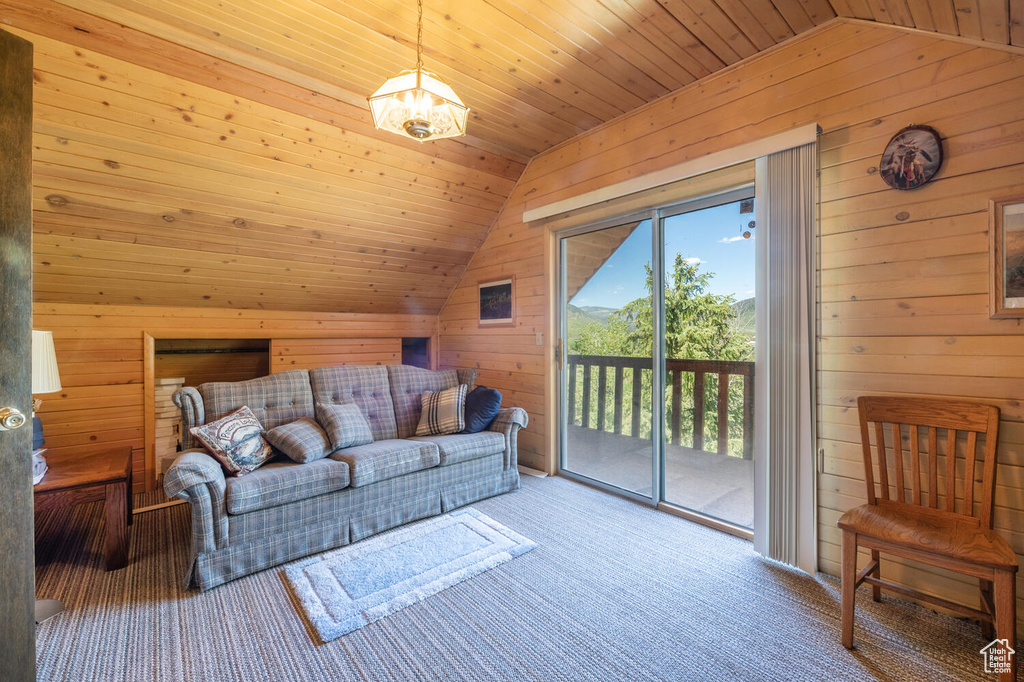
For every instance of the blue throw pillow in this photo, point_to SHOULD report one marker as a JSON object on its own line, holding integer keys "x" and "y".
{"x": 482, "y": 406}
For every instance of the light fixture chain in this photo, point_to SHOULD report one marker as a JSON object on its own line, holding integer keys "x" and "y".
{"x": 419, "y": 35}
{"x": 417, "y": 104}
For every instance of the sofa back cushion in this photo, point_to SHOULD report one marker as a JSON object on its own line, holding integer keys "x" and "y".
{"x": 467, "y": 376}
{"x": 366, "y": 386}
{"x": 276, "y": 399}
{"x": 408, "y": 384}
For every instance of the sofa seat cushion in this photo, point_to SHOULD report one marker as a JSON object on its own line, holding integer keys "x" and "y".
{"x": 283, "y": 481}
{"x": 384, "y": 459}
{"x": 460, "y": 447}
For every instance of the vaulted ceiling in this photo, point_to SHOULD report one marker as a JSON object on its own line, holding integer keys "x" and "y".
{"x": 220, "y": 153}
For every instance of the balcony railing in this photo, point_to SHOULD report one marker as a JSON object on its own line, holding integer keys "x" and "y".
{"x": 595, "y": 390}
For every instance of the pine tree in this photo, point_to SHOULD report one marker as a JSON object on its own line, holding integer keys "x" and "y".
{"x": 698, "y": 326}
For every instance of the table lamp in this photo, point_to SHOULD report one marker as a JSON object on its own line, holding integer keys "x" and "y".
{"x": 45, "y": 379}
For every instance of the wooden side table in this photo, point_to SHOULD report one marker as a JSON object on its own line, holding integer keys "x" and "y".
{"x": 102, "y": 475}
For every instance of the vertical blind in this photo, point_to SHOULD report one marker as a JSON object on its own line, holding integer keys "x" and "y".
{"x": 785, "y": 486}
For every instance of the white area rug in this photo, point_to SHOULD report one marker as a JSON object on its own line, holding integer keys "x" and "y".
{"x": 347, "y": 588}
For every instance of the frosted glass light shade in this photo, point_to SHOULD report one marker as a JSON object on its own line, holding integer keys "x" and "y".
{"x": 417, "y": 104}
{"x": 45, "y": 378}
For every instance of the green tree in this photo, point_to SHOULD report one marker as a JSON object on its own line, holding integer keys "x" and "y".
{"x": 594, "y": 338}
{"x": 698, "y": 326}
{"x": 698, "y": 323}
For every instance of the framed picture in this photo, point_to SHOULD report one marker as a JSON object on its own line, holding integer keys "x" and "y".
{"x": 498, "y": 302}
{"x": 1006, "y": 257}
{"x": 912, "y": 157}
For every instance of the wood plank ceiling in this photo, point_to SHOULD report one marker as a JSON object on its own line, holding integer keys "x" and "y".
{"x": 202, "y": 153}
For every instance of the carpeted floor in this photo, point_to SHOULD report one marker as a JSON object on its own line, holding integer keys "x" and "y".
{"x": 614, "y": 591}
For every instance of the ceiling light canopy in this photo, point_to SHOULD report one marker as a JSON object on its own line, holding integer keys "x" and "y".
{"x": 418, "y": 104}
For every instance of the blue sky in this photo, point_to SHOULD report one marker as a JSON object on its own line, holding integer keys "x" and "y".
{"x": 713, "y": 235}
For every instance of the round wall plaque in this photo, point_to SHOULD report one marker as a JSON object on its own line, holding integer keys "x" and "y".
{"x": 911, "y": 158}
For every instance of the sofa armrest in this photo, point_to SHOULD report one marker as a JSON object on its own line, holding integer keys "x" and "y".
{"x": 193, "y": 413}
{"x": 199, "y": 479}
{"x": 508, "y": 422}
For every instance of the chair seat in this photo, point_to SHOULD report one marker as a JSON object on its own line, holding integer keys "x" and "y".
{"x": 934, "y": 531}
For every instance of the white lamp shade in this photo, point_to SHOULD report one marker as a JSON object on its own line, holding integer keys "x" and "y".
{"x": 419, "y": 105}
{"x": 45, "y": 378}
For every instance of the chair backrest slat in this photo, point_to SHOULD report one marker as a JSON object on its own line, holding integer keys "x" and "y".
{"x": 898, "y": 464}
{"x": 933, "y": 468}
{"x": 883, "y": 469}
{"x": 915, "y": 466}
{"x": 972, "y": 446}
{"x": 978, "y": 421}
{"x": 951, "y": 470}
{"x": 988, "y": 486}
{"x": 869, "y": 473}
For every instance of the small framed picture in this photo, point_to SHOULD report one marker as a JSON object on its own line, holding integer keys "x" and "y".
{"x": 1006, "y": 257}
{"x": 498, "y": 302}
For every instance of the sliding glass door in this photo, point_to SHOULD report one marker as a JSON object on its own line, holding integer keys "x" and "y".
{"x": 608, "y": 366}
{"x": 709, "y": 360}
{"x": 657, "y": 313}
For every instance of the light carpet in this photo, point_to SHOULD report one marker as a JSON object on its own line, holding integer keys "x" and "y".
{"x": 613, "y": 591}
{"x": 345, "y": 589}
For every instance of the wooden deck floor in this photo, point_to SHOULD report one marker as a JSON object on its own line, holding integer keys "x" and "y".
{"x": 712, "y": 484}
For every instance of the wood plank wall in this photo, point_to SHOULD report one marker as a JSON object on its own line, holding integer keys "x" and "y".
{"x": 310, "y": 353}
{"x": 100, "y": 358}
{"x": 904, "y": 274}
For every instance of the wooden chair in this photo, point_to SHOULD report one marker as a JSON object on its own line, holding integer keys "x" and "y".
{"x": 941, "y": 522}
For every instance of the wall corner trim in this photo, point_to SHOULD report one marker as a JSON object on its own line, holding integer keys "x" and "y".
{"x": 727, "y": 157}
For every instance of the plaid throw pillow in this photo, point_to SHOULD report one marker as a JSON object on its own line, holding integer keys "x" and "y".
{"x": 345, "y": 425}
{"x": 302, "y": 440}
{"x": 443, "y": 412}
{"x": 236, "y": 441}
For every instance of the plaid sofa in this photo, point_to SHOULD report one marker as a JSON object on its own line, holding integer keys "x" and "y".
{"x": 285, "y": 510}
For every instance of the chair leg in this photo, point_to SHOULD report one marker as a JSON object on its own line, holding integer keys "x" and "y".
{"x": 849, "y": 585}
{"x": 986, "y": 591}
{"x": 876, "y": 591}
{"x": 1006, "y": 617}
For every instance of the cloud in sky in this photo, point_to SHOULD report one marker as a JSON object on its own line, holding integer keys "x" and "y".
{"x": 729, "y": 240}
{"x": 694, "y": 261}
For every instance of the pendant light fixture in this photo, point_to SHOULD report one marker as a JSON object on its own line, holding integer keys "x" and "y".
{"x": 416, "y": 103}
